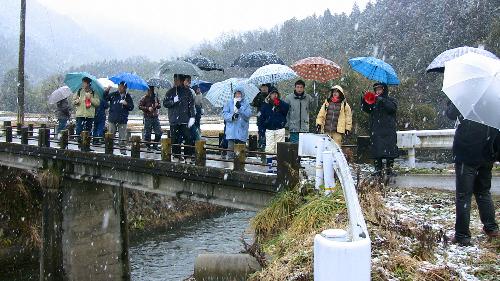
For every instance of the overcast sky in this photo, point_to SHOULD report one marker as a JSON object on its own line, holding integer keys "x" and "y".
{"x": 188, "y": 22}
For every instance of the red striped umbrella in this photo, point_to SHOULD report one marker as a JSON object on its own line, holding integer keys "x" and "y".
{"x": 317, "y": 69}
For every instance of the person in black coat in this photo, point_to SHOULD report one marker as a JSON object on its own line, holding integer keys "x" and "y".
{"x": 475, "y": 149}
{"x": 383, "y": 138}
{"x": 257, "y": 102}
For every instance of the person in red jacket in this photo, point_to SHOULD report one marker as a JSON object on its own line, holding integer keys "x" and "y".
{"x": 150, "y": 106}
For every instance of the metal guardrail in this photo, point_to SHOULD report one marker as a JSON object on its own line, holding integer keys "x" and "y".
{"x": 429, "y": 139}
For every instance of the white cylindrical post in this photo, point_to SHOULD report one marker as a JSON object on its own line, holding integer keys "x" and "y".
{"x": 411, "y": 157}
{"x": 319, "y": 167}
{"x": 328, "y": 171}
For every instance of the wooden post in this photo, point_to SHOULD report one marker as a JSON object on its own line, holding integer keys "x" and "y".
{"x": 136, "y": 147}
{"x": 129, "y": 134}
{"x": 166, "y": 149}
{"x": 239, "y": 157}
{"x": 18, "y": 128}
{"x": 63, "y": 140}
{"x": 108, "y": 143}
{"x": 40, "y": 137}
{"x": 24, "y": 135}
{"x": 46, "y": 137}
{"x": 288, "y": 165}
{"x": 7, "y": 124}
{"x": 201, "y": 153}
{"x": 8, "y": 134}
{"x": 363, "y": 149}
{"x": 85, "y": 144}
{"x": 30, "y": 130}
{"x": 71, "y": 130}
{"x": 43, "y": 125}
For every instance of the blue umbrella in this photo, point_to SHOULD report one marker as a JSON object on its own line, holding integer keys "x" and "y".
{"x": 74, "y": 81}
{"x": 203, "y": 85}
{"x": 375, "y": 69}
{"x": 134, "y": 82}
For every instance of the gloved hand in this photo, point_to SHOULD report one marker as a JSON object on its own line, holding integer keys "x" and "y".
{"x": 176, "y": 99}
{"x": 238, "y": 104}
{"x": 318, "y": 129}
{"x": 191, "y": 122}
{"x": 235, "y": 116}
{"x": 347, "y": 133}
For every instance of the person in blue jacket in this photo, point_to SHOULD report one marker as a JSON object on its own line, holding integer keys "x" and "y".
{"x": 273, "y": 118}
{"x": 236, "y": 114}
{"x": 100, "y": 120}
{"x": 120, "y": 104}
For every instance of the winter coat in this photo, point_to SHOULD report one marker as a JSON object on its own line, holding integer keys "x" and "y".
{"x": 146, "y": 102}
{"x": 181, "y": 111}
{"x": 474, "y": 143}
{"x": 259, "y": 100}
{"x": 383, "y": 136}
{"x": 100, "y": 111}
{"x": 63, "y": 109}
{"x": 118, "y": 113}
{"x": 273, "y": 117}
{"x": 237, "y": 129}
{"x": 344, "y": 117}
{"x": 81, "y": 108}
{"x": 298, "y": 115}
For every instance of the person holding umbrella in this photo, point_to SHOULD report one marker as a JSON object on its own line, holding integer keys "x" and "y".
{"x": 120, "y": 104}
{"x": 100, "y": 120}
{"x": 63, "y": 114}
{"x": 257, "y": 102}
{"x": 86, "y": 101}
{"x": 150, "y": 105}
{"x": 198, "y": 105}
{"x": 298, "y": 115}
{"x": 274, "y": 112}
{"x": 383, "y": 138}
{"x": 180, "y": 103}
{"x": 236, "y": 114}
{"x": 475, "y": 147}
{"x": 335, "y": 115}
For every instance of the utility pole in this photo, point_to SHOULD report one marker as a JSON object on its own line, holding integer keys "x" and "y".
{"x": 20, "y": 68}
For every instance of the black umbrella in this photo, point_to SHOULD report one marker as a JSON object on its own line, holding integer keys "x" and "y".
{"x": 257, "y": 59}
{"x": 204, "y": 63}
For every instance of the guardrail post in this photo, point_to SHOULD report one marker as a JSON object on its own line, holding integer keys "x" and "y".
{"x": 411, "y": 157}
{"x": 63, "y": 140}
{"x": 288, "y": 165}
{"x": 239, "y": 157}
{"x": 24, "y": 135}
{"x": 200, "y": 153}
{"x": 108, "y": 143}
{"x": 8, "y": 134}
{"x": 136, "y": 147}
{"x": 31, "y": 130}
{"x": 85, "y": 141}
{"x": 166, "y": 149}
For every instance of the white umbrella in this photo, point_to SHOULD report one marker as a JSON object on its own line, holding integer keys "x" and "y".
{"x": 437, "y": 65}
{"x": 472, "y": 82}
{"x": 221, "y": 92}
{"x": 105, "y": 82}
{"x": 59, "y": 94}
{"x": 272, "y": 73}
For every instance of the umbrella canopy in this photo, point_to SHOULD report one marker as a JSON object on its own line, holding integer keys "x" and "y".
{"x": 272, "y": 73}
{"x": 105, "y": 82}
{"x": 317, "y": 69}
{"x": 159, "y": 83}
{"x": 472, "y": 82}
{"x": 437, "y": 65}
{"x": 221, "y": 92}
{"x": 60, "y": 94}
{"x": 74, "y": 81}
{"x": 134, "y": 81}
{"x": 375, "y": 69}
{"x": 203, "y": 85}
{"x": 204, "y": 63}
{"x": 257, "y": 59}
{"x": 170, "y": 68}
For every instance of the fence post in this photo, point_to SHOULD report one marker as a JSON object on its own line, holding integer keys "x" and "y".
{"x": 43, "y": 125}
{"x": 253, "y": 144}
{"x": 63, "y": 140}
{"x": 136, "y": 147}
{"x": 288, "y": 165}
{"x": 8, "y": 134}
{"x": 239, "y": 157}
{"x": 24, "y": 135}
{"x": 85, "y": 143}
{"x": 129, "y": 134}
{"x": 31, "y": 130}
{"x": 166, "y": 149}
{"x": 7, "y": 124}
{"x": 18, "y": 129}
{"x": 108, "y": 143}
{"x": 42, "y": 137}
{"x": 200, "y": 153}
{"x": 71, "y": 130}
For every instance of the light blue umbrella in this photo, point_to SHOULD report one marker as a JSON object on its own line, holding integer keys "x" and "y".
{"x": 375, "y": 69}
{"x": 134, "y": 82}
{"x": 221, "y": 92}
{"x": 74, "y": 81}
